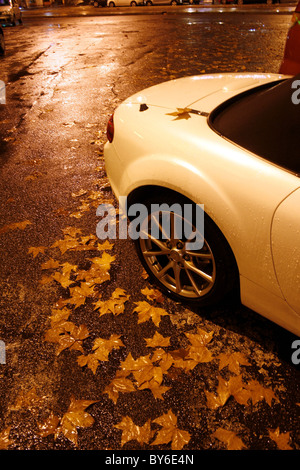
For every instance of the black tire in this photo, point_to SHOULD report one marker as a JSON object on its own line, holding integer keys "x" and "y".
{"x": 133, "y": 4}
{"x": 203, "y": 276}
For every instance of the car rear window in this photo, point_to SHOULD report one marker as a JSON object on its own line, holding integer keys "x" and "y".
{"x": 265, "y": 121}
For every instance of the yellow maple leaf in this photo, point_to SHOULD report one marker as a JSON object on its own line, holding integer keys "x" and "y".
{"x": 233, "y": 361}
{"x": 153, "y": 294}
{"x": 164, "y": 359}
{"x": 146, "y": 312}
{"x": 67, "y": 335}
{"x": 201, "y": 338}
{"x": 63, "y": 279}
{"x": 131, "y": 431}
{"x": 155, "y": 387}
{"x": 229, "y": 438}
{"x": 28, "y": 400}
{"x": 181, "y": 113}
{"x": 119, "y": 385}
{"x": 75, "y": 417}
{"x": 59, "y": 315}
{"x": 115, "y": 305}
{"x": 226, "y": 388}
{"x": 89, "y": 360}
{"x": 281, "y": 439}
{"x": 102, "y": 348}
{"x": 94, "y": 275}
{"x": 50, "y": 264}
{"x": 259, "y": 393}
{"x": 15, "y": 225}
{"x": 35, "y": 250}
{"x": 67, "y": 268}
{"x": 170, "y": 432}
{"x": 147, "y": 374}
{"x": 68, "y": 243}
{"x": 157, "y": 341}
{"x": 105, "y": 246}
{"x": 48, "y": 427}
{"x": 5, "y": 441}
{"x": 104, "y": 261}
{"x": 71, "y": 231}
{"x": 80, "y": 293}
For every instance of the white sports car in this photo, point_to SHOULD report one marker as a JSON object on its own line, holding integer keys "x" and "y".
{"x": 230, "y": 143}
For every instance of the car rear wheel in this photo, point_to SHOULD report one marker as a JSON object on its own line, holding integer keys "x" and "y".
{"x": 201, "y": 274}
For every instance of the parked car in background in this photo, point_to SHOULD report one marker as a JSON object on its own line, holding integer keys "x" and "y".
{"x": 99, "y": 3}
{"x": 228, "y": 143}
{"x": 162, "y": 2}
{"x": 2, "y": 42}
{"x": 291, "y": 60}
{"x": 10, "y": 12}
{"x": 124, "y": 3}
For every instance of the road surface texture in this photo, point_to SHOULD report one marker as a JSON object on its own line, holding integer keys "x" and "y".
{"x": 93, "y": 358}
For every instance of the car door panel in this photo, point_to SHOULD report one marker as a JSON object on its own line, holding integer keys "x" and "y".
{"x": 285, "y": 238}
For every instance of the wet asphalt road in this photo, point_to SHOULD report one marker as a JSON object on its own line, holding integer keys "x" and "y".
{"x": 64, "y": 74}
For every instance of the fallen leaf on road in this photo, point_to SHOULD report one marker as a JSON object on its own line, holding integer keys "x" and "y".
{"x": 170, "y": 433}
{"x": 119, "y": 385}
{"x": 115, "y": 304}
{"x": 75, "y": 417}
{"x": 35, "y": 250}
{"x": 14, "y": 226}
{"x": 282, "y": 439}
{"x": 67, "y": 335}
{"x": 232, "y": 441}
{"x": 233, "y": 361}
{"x": 5, "y": 441}
{"x": 148, "y": 312}
{"x": 131, "y": 431}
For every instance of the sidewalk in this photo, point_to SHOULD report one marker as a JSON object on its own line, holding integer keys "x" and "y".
{"x": 205, "y": 6}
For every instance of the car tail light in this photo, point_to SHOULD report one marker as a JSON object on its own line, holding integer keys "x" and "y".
{"x": 110, "y": 128}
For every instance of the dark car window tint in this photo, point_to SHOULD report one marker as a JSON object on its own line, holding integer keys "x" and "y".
{"x": 265, "y": 121}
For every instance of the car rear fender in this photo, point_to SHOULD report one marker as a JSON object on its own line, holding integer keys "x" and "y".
{"x": 158, "y": 172}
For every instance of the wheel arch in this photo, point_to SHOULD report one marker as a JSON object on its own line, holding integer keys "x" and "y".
{"x": 142, "y": 193}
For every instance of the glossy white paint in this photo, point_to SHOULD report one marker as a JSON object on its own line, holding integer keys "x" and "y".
{"x": 245, "y": 195}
